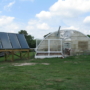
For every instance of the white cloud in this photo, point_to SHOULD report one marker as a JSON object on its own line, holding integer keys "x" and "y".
{"x": 66, "y": 8}
{"x": 43, "y": 26}
{"x": 4, "y": 20}
{"x": 71, "y": 27}
{"x": 7, "y": 24}
{"x": 13, "y": 25}
{"x": 71, "y": 5}
{"x": 87, "y": 20}
{"x": 7, "y": 7}
{"x": 29, "y": 27}
{"x": 32, "y": 24}
{"x": 37, "y": 28}
{"x": 44, "y": 14}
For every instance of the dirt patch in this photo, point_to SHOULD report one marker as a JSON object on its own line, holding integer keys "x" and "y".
{"x": 45, "y": 63}
{"x": 23, "y": 64}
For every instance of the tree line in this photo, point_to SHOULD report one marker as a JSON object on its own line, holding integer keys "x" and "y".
{"x": 29, "y": 38}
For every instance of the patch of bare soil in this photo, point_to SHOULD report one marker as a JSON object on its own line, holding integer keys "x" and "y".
{"x": 23, "y": 64}
{"x": 45, "y": 63}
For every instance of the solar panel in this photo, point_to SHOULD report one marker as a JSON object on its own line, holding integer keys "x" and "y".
{"x": 5, "y": 41}
{"x": 14, "y": 41}
{"x": 0, "y": 44}
{"x": 22, "y": 41}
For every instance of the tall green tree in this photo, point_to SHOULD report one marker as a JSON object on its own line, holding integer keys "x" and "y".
{"x": 30, "y": 39}
{"x": 23, "y": 32}
{"x": 88, "y": 36}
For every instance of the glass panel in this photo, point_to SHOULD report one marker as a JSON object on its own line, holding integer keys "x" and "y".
{"x": 67, "y": 45}
{"x": 55, "y": 45}
{"x": 43, "y": 46}
{"x": 38, "y": 41}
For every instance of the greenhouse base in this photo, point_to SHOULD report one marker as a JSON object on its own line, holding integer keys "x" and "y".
{"x": 47, "y": 56}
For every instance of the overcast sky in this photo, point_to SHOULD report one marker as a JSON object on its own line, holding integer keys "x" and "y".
{"x": 40, "y": 17}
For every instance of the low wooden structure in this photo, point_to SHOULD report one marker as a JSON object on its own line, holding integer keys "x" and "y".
{"x": 10, "y": 54}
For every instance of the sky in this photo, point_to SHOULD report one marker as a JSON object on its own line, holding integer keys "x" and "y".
{"x": 40, "y": 17}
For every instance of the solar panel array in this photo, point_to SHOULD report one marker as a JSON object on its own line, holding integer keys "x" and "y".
{"x": 12, "y": 41}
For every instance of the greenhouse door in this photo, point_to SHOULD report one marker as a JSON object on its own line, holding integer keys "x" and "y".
{"x": 67, "y": 48}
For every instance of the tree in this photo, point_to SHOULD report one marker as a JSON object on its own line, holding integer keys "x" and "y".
{"x": 23, "y": 32}
{"x": 88, "y": 36}
{"x": 30, "y": 39}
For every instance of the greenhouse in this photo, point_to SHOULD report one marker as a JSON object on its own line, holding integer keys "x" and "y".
{"x": 63, "y": 43}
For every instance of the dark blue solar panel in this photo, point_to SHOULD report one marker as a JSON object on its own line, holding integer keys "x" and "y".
{"x": 22, "y": 41}
{"x": 5, "y": 41}
{"x": 0, "y": 44}
{"x": 14, "y": 41}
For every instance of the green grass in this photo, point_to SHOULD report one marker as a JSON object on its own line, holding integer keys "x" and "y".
{"x": 72, "y": 73}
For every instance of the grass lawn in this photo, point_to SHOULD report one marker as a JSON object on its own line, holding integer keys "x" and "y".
{"x": 72, "y": 73}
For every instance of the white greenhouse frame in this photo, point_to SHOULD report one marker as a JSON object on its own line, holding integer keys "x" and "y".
{"x": 48, "y": 51}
